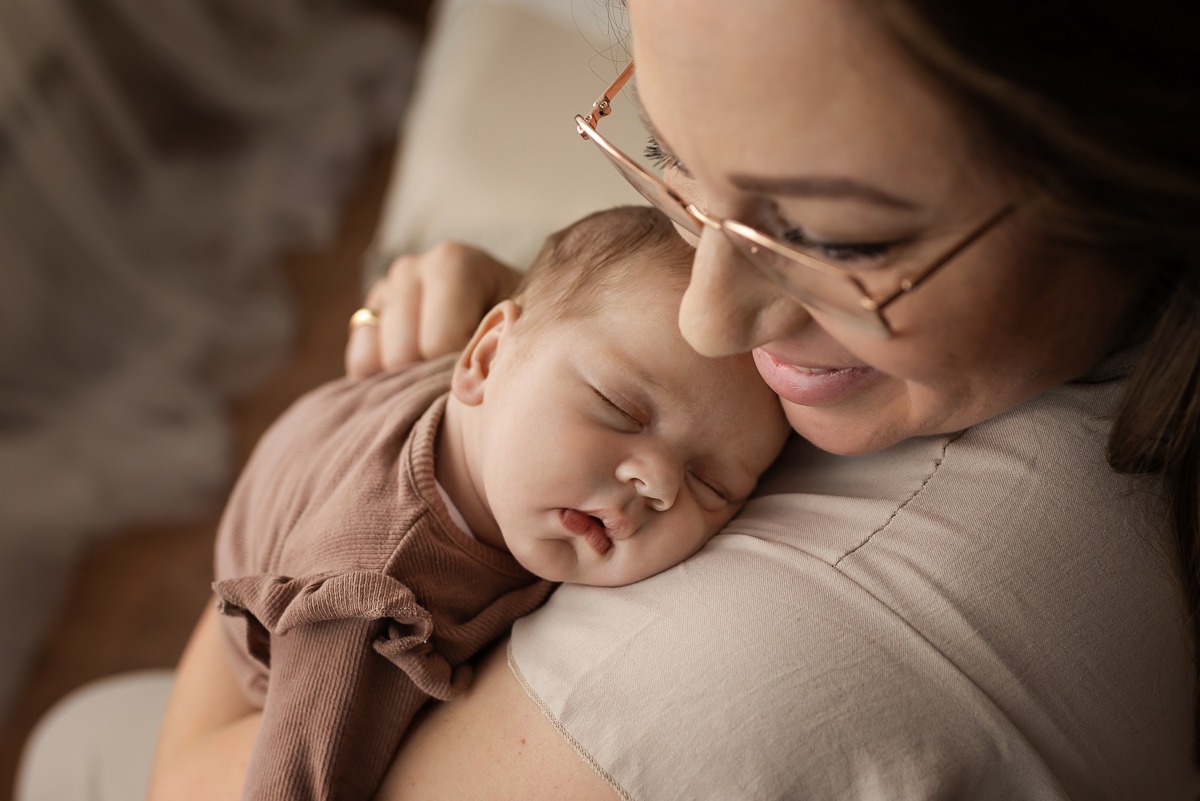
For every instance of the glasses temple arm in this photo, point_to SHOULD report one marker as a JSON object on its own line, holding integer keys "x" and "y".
{"x": 910, "y": 282}
{"x": 603, "y": 106}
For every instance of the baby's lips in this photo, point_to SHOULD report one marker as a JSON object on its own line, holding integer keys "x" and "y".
{"x": 591, "y": 528}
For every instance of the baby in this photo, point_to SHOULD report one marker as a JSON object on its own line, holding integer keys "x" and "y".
{"x": 388, "y": 529}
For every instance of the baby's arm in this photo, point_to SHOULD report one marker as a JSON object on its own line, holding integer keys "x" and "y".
{"x": 334, "y": 715}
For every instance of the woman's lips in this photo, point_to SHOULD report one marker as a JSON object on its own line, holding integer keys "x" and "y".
{"x": 591, "y": 529}
{"x": 811, "y": 386}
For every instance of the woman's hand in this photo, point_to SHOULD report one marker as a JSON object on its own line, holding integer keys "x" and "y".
{"x": 428, "y": 304}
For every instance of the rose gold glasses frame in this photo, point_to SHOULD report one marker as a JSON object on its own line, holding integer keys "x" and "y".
{"x": 870, "y": 311}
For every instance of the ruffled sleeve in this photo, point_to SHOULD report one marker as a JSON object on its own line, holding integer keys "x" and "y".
{"x": 276, "y": 605}
{"x": 336, "y": 705}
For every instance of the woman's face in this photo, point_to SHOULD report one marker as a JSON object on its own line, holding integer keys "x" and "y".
{"x": 800, "y": 117}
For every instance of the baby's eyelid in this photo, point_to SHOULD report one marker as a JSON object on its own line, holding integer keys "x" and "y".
{"x": 715, "y": 486}
{"x": 624, "y": 412}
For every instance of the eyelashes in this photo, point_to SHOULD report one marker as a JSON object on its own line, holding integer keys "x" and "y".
{"x": 626, "y": 416}
{"x": 711, "y": 487}
{"x": 837, "y": 251}
{"x": 661, "y": 158}
{"x": 795, "y": 236}
{"x": 840, "y": 252}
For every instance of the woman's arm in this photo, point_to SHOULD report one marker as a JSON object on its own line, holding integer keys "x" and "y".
{"x": 209, "y": 726}
{"x": 492, "y": 743}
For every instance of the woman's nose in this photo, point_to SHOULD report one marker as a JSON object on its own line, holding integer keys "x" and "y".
{"x": 731, "y": 306}
{"x": 653, "y": 477}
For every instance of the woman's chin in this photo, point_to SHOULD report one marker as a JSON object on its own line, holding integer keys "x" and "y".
{"x": 843, "y": 434}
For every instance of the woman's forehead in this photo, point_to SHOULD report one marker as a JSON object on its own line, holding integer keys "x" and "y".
{"x": 807, "y": 87}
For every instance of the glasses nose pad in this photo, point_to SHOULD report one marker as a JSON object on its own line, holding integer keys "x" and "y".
{"x": 733, "y": 304}
{"x": 812, "y": 288}
{"x": 719, "y": 310}
{"x": 688, "y": 236}
{"x": 685, "y": 217}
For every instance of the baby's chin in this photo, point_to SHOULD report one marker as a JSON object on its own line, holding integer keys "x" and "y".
{"x": 608, "y": 574}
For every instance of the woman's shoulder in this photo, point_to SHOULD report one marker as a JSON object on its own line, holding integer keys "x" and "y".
{"x": 1039, "y": 470}
{"x": 991, "y": 609}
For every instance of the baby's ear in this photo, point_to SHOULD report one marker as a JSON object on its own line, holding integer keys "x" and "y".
{"x": 475, "y": 362}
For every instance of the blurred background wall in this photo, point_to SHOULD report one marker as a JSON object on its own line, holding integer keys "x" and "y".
{"x": 156, "y": 157}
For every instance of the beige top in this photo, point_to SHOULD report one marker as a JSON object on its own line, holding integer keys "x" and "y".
{"x": 989, "y": 615}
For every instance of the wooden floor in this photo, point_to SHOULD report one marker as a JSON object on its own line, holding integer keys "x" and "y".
{"x": 137, "y": 594}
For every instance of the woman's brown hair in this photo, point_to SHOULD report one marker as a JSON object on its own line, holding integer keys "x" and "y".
{"x": 1094, "y": 105}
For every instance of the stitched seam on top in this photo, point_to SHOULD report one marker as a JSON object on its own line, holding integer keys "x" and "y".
{"x": 576, "y": 746}
{"x": 937, "y": 464}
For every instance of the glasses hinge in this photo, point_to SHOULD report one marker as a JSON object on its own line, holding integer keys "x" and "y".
{"x": 601, "y": 108}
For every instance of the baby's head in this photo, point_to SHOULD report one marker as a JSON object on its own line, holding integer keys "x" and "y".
{"x": 597, "y": 446}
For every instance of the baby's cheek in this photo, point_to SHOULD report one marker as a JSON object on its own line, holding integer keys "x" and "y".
{"x": 713, "y": 525}
{"x": 731, "y": 510}
{"x": 550, "y": 559}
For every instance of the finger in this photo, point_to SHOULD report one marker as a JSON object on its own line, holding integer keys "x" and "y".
{"x": 456, "y": 295}
{"x": 461, "y": 283}
{"x": 398, "y": 303}
{"x": 362, "y": 352}
{"x": 506, "y": 281}
{"x": 362, "y": 355}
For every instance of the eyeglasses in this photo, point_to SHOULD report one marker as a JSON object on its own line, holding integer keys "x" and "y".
{"x": 815, "y": 283}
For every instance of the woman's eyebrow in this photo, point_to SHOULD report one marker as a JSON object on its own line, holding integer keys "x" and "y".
{"x": 816, "y": 186}
{"x": 820, "y": 187}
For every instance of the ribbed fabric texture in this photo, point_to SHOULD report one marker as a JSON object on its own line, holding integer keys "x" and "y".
{"x": 351, "y": 596}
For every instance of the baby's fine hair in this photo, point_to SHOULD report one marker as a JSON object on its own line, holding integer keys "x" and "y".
{"x": 580, "y": 268}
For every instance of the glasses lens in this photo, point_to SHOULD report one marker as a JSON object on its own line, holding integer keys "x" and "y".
{"x": 820, "y": 286}
{"x": 653, "y": 189}
{"x": 814, "y": 284}
{"x": 660, "y": 196}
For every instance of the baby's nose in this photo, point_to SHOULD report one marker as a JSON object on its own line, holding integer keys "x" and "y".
{"x": 653, "y": 479}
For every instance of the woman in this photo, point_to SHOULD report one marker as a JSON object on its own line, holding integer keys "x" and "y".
{"x": 955, "y": 596}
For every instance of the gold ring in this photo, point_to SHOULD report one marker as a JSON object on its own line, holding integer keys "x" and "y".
{"x": 363, "y": 316}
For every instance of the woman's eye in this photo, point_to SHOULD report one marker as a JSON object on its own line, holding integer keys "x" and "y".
{"x": 845, "y": 252}
{"x": 660, "y": 158}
